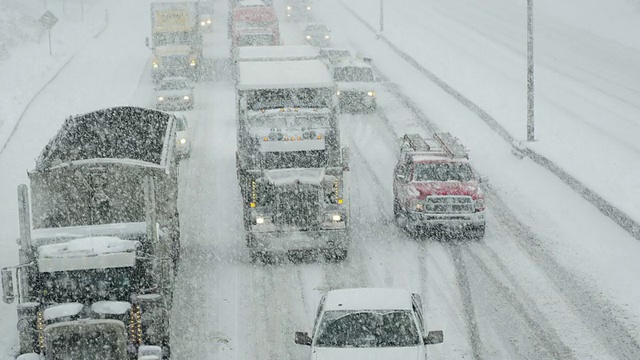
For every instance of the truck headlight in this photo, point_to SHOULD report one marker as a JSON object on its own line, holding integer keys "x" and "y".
{"x": 193, "y": 63}
{"x": 160, "y": 98}
{"x": 155, "y": 65}
{"x": 371, "y": 93}
{"x": 259, "y": 220}
{"x": 186, "y": 97}
{"x": 209, "y": 22}
{"x": 479, "y": 205}
{"x": 338, "y": 92}
{"x": 203, "y": 23}
{"x": 308, "y": 7}
{"x": 326, "y": 36}
{"x": 336, "y": 217}
{"x": 308, "y": 37}
{"x": 288, "y": 7}
{"x": 183, "y": 141}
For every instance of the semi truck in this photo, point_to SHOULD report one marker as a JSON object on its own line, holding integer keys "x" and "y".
{"x": 292, "y": 170}
{"x": 176, "y": 39}
{"x": 99, "y": 238}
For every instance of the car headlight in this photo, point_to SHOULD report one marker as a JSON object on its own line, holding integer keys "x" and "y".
{"x": 160, "y": 98}
{"x": 326, "y": 36}
{"x": 155, "y": 65}
{"x": 209, "y": 21}
{"x": 336, "y": 218}
{"x": 371, "y": 93}
{"x": 308, "y": 7}
{"x": 183, "y": 141}
{"x": 193, "y": 63}
{"x": 186, "y": 97}
{"x": 259, "y": 220}
{"x": 203, "y": 23}
{"x": 338, "y": 92}
{"x": 288, "y": 7}
{"x": 308, "y": 37}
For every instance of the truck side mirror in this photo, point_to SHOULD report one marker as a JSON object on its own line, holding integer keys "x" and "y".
{"x": 302, "y": 338}
{"x": 146, "y": 42}
{"x": 7, "y": 286}
{"x": 434, "y": 337}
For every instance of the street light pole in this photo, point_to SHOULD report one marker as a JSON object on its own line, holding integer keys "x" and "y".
{"x": 530, "y": 79}
{"x": 381, "y": 15}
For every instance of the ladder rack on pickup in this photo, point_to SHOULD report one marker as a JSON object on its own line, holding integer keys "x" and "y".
{"x": 442, "y": 143}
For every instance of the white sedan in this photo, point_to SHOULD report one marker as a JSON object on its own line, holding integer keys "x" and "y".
{"x": 174, "y": 93}
{"x": 369, "y": 324}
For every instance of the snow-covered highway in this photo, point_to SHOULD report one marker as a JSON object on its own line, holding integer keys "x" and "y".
{"x": 553, "y": 278}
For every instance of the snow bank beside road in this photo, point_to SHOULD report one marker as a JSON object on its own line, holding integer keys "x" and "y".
{"x": 26, "y": 66}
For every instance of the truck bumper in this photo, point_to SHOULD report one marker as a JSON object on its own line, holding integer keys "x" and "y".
{"x": 281, "y": 241}
{"x": 417, "y": 220}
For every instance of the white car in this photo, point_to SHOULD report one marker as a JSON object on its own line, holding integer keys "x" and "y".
{"x": 174, "y": 93}
{"x": 370, "y": 324}
{"x": 183, "y": 140}
{"x": 356, "y": 85}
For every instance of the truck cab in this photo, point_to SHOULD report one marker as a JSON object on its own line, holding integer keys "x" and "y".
{"x": 291, "y": 168}
{"x": 436, "y": 189}
{"x": 254, "y": 24}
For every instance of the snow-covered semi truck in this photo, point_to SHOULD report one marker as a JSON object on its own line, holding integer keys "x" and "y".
{"x": 176, "y": 39}
{"x": 291, "y": 168}
{"x": 99, "y": 240}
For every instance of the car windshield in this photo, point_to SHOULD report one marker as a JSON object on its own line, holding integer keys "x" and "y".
{"x": 316, "y": 28}
{"x": 353, "y": 74}
{"x": 380, "y": 328}
{"x": 174, "y": 85}
{"x": 443, "y": 171}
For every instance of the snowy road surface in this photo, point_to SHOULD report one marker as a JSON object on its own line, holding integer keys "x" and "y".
{"x": 553, "y": 278}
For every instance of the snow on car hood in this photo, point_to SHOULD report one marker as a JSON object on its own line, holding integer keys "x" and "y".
{"x": 291, "y": 176}
{"x": 355, "y": 86}
{"x": 446, "y": 188}
{"x": 386, "y": 353}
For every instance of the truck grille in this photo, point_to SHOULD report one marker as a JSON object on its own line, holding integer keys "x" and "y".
{"x": 175, "y": 62}
{"x": 297, "y": 205}
{"x": 448, "y": 205}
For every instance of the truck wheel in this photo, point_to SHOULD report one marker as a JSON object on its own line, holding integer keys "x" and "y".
{"x": 478, "y": 233}
{"x": 397, "y": 212}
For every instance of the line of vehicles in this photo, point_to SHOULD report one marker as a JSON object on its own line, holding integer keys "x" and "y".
{"x": 99, "y": 227}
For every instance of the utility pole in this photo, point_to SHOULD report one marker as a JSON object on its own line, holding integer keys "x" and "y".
{"x": 381, "y": 15}
{"x": 530, "y": 79}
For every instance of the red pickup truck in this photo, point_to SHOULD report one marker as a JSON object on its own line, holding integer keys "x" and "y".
{"x": 254, "y": 25}
{"x": 435, "y": 188}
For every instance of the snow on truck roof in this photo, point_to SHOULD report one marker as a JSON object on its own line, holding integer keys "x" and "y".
{"x": 286, "y": 52}
{"x": 368, "y": 299}
{"x": 283, "y": 74}
{"x": 124, "y": 132}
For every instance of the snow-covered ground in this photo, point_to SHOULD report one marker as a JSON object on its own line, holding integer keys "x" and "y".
{"x": 553, "y": 279}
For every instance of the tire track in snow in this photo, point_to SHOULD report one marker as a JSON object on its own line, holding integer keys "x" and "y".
{"x": 517, "y": 298}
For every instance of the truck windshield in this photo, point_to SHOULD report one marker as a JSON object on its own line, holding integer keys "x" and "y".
{"x": 380, "y": 328}
{"x": 446, "y": 171}
{"x": 353, "y": 74}
{"x": 299, "y": 121}
{"x": 294, "y": 159}
{"x": 289, "y": 98}
{"x": 87, "y": 286}
{"x": 80, "y": 343}
{"x": 174, "y": 38}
